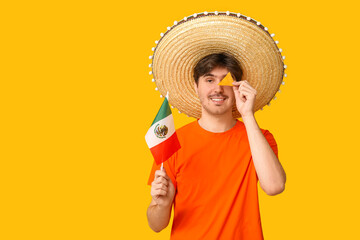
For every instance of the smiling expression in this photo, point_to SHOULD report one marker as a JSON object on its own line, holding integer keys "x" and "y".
{"x": 215, "y": 99}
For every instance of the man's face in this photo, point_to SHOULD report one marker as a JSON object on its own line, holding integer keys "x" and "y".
{"x": 215, "y": 99}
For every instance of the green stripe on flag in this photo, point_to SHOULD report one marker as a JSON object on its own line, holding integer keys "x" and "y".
{"x": 163, "y": 112}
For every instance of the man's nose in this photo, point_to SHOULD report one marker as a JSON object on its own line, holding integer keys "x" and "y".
{"x": 218, "y": 88}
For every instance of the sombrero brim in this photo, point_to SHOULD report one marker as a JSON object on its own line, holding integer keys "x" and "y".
{"x": 188, "y": 41}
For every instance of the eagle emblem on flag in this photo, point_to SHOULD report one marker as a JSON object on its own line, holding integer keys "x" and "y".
{"x": 161, "y": 131}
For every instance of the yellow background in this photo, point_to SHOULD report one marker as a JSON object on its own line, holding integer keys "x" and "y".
{"x": 77, "y": 100}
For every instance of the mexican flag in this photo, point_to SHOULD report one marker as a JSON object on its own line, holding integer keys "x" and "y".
{"x": 161, "y": 137}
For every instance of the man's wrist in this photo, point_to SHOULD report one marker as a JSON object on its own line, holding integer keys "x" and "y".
{"x": 248, "y": 117}
{"x": 163, "y": 206}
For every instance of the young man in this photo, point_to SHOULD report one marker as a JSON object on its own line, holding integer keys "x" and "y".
{"x": 212, "y": 180}
{"x": 217, "y": 168}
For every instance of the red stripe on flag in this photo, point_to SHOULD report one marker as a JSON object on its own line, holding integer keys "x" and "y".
{"x": 166, "y": 149}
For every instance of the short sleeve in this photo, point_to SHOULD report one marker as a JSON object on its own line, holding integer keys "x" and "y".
{"x": 170, "y": 169}
{"x": 271, "y": 140}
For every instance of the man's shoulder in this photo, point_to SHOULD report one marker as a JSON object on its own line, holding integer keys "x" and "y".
{"x": 265, "y": 131}
{"x": 190, "y": 127}
{"x": 268, "y": 135}
{"x": 243, "y": 128}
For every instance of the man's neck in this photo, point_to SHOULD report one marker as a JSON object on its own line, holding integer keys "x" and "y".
{"x": 217, "y": 124}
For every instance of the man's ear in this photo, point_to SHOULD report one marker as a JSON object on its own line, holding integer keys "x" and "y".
{"x": 195, "y": 87}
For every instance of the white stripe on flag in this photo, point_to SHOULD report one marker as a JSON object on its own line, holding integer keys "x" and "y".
{"x": 150, "y": 137}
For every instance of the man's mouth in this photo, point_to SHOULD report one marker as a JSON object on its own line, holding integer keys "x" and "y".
{"x": 218, "y": 100}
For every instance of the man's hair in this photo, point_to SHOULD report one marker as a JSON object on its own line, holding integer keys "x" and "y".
{"x": 208, "y": 63}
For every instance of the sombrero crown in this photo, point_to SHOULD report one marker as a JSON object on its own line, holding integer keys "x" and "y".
{"x": 188, "y": 41}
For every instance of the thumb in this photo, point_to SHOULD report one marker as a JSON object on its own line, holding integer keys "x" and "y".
{"x": 163, "y": 169}
{"x": 236, "y": 93}
{"x": 166, "y": 175}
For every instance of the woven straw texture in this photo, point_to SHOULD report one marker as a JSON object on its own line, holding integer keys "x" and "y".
{"x": 179, "y": 50}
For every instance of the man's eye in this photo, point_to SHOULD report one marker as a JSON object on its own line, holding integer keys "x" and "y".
{"x": 209, "y": 80}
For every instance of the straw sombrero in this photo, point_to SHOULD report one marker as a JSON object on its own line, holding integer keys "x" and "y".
{"x": 189, "y": 40}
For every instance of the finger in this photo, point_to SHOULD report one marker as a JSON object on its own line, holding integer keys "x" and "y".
{"x": 246, "y": 82}
{"x": 156, "y": 186}
{"x": 237, "y": 93}
{"x": 160, "y": 186}
{"x": 166, "y": 177}
{"x": 243, "y": 83}
{"x": 163, "y": 187}
{"x": 236, "y": 89}
{"x": 159, "y": 173}
{"x": 238, "y": 83}
{"x": 246, "y": 93}
{"x": 164, "y": 170}
{"x": 158, "y": 193}
{"x": 242, "y": 97}
{"x": 245, "y": 90}
{"x": 162, "y": 173}
{"x": 248, "y": 87}
{"x": 162, "y": 180}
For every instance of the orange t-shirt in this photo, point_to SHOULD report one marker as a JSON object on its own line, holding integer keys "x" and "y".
{"x": 216, "y": 184}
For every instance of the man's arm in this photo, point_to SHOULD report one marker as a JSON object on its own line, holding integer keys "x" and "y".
{"x": 271, "y": 174}
{"x": 158, "y": 216}
{"x": 162, "y": 192}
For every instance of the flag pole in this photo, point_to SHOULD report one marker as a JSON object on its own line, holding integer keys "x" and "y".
{"x": 162, "y": 164}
